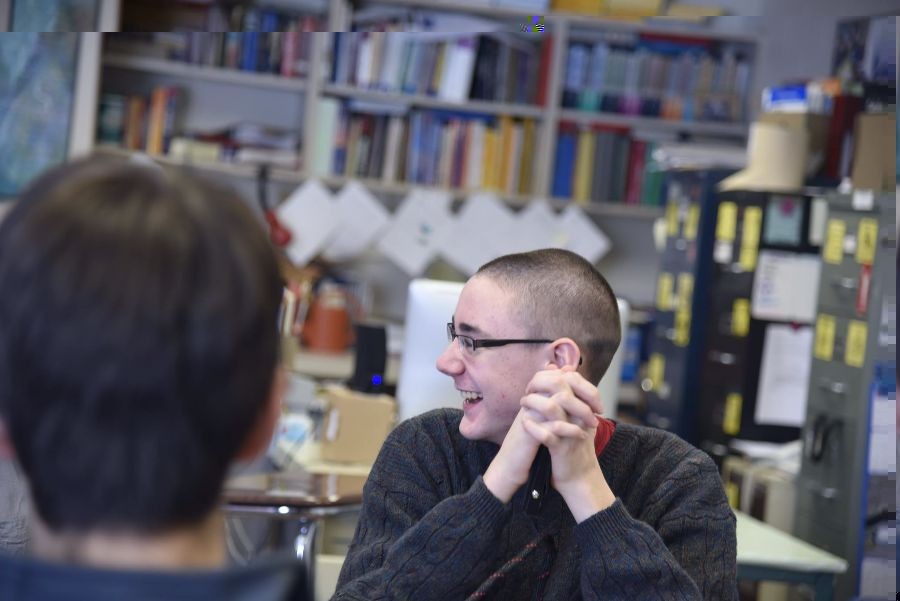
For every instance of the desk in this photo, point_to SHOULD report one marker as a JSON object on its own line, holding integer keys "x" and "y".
{"x": 766, "y": 553}
{"x": 299, "y": 498}
{"x": 329, "y": 366}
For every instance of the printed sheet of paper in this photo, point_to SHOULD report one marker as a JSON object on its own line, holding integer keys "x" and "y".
{"x": 362, "y": 218}
{"x": 786, "y": 286}
{"x": 784, "y": 375}
{"x": 582, "y": 235}
{"x": 883, "y": 434}
{"x": 312, "y": 217}
{"x": 418, "y": 225}
{"x": 484, "y": 229}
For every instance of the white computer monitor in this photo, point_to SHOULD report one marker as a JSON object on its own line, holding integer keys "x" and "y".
{"x": 421, "y": 387}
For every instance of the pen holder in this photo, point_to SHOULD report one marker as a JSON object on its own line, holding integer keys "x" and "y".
{"x": 328, "y": 325}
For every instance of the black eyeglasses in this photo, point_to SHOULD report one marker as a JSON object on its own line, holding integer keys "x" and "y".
{"x": 467, "y": 343}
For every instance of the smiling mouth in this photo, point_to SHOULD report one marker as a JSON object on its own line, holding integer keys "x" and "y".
{"x": 470, "y": 397}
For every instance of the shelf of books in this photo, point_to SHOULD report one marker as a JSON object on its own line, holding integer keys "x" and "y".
{"x": 666, "y": 82}
{"x": 489, "y": 72}
{"x": 429, "y": 147}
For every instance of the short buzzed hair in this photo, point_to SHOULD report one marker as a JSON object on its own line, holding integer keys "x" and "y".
{"x": 560, "y": 294}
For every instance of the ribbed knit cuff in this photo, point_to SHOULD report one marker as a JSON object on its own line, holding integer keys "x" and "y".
{"x": 483, "y": 505}
{"x": 609, "y": 523}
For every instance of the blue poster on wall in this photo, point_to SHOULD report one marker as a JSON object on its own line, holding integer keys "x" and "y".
{"x": 37, "y": 82}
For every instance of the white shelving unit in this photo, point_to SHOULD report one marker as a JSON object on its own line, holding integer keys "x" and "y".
{"x": 561, "y": 26}
{"x": 475, "y": 106}
{"x": 704, "y": 128}
{"x": 185, "y": 70}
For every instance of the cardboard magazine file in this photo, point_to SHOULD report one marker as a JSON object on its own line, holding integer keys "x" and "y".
{"x": 873, "y": 158}
{"x": 356, "y": 424}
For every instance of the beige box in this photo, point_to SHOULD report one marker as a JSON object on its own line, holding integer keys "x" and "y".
{"x": 874, "y": 150}
{"x": 356, "y": 424}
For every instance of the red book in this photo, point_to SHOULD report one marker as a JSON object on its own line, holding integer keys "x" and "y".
{"x": 543, "y": 81}
{"x": 843, "y": 116}
{"x": 636, "y": 157}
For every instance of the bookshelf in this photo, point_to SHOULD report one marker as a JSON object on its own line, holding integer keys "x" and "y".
{"x": 548, "y": 115}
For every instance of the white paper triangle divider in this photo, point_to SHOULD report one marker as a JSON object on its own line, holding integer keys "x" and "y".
{"x": 484, "y": 229}
{"x": 312, "y": 218}
{"x": 361, "y": 220}
{"x": 410, "y": 241}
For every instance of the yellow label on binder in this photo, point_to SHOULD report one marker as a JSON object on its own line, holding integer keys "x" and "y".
{"x": 682, "y": 327}
{"x": 740, "y": 317}
{"x": 731, "y": 421}
{"x": 855, "y": 351}
{"x": 664, "y": 292}
{"x": 685, "y": 291}
{"x": 692, "y": 223}
{"x": 866, "y": 240}
{"x": 656, "y": 369}
{"x": 833, "y": 251}
{"x": 750, "y": 238}
{"x": 672, "y": 219}
{"x": 733, "y": 493}
{"x": 823, "y": 347}
{"x": 726, "y": 224}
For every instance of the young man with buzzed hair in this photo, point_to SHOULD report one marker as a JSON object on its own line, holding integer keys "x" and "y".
{"x": 138, "y": 360}
{"x": 631, "y": 513}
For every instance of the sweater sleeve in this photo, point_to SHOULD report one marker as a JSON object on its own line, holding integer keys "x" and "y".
{"x": 690, "y": 556}
{"x": 412, "y": 542}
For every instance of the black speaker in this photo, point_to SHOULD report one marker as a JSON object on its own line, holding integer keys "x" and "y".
{"x": 371, "y": 359}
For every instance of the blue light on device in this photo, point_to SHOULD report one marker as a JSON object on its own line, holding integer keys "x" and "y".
{"x": 376, "y": 380}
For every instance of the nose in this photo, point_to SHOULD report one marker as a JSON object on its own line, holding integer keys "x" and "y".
{"x": 450, "y": 362}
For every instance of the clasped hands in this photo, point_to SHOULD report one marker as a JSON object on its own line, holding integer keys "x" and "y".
{"x": 559, "y": 410}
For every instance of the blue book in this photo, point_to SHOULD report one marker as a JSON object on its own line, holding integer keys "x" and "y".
{"x": 250, "y": 50}
{"x": 563, "y": 165}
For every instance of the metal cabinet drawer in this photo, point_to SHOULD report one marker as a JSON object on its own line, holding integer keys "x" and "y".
{"x": 835, "y": 387}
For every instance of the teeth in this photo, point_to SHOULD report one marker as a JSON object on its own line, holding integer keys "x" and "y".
{"x": 469, "y": 395}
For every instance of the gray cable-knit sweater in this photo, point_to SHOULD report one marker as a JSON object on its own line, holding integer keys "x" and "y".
{"x": 430, "y": 529}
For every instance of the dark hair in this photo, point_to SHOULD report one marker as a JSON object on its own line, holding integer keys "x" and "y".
{"x": 559, "y": 293}
{"x": 138, "y": 341}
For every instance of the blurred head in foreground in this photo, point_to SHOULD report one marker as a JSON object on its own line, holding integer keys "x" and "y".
{"x": 138, "y": 356}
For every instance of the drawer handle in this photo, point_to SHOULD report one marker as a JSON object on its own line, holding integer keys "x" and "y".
{"x": 838, "y": 388}
{"x": 723, "y": 358}
{"x": 845, "y": 283}
{"x": 826, "y": 492}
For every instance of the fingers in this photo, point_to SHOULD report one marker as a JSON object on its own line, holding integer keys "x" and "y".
{"x": 550, "y": 381}
{"x": 552, "y": 433}
{"x": 562, "y": 406}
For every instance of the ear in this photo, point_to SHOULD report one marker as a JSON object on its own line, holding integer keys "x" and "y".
{"x": 6, "y": 447}
{"x": 260, "y": 435}
{"x": 565, "y": 352}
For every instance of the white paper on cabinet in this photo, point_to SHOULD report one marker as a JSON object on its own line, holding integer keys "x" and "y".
{"x": 784, "y": 375}
{"x": 786, "y": 287}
